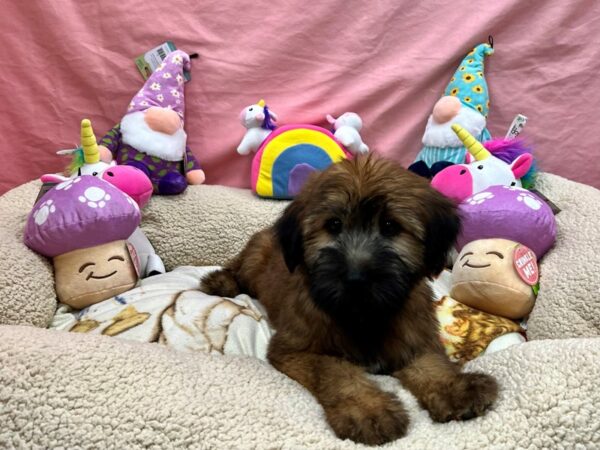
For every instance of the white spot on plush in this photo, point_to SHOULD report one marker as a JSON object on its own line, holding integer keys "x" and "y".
{"x": 479, "y": 198}
{"x": 41, "y": 215}
{"x": 94, "y": 197}
{"x": 529, "y": 200}
{"x": 66, "y": 185}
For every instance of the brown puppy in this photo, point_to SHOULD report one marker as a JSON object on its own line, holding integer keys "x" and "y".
{"x": 342, "y": 275}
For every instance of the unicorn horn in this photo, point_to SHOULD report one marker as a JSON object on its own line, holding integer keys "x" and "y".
{"x": 261, "y": 103}
{"x": 91, "y": 155}
{"x": 474, "y": 147}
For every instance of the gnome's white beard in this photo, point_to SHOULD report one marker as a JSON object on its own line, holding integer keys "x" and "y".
{"x": 442, "y": 135}
{"x": 136, "y": 132}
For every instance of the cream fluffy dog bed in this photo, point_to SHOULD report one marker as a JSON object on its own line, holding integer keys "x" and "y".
{"x": 72, "y": 390}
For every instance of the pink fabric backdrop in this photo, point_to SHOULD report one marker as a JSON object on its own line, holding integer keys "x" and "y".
{"x": 389, "y": 60}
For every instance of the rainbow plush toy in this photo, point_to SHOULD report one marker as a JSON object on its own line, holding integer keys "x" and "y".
{"x": 287, "y": 155}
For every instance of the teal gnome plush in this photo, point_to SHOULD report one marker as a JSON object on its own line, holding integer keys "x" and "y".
{"x": 465, "y": 102}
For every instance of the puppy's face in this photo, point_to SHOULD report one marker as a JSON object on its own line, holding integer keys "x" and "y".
{"x": 365, "y": 232}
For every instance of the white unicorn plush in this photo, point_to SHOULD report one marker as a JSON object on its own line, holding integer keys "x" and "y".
{"x": 496, "y": 162}
{"x": 347, "y": 128}
{"x": 258, "y": 120}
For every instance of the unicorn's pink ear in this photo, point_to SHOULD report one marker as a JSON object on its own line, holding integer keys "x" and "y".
{"x": 469, "y": 158}
{"x": 521, "y": 165}
{"x": 260, "y": 116}
{"x": 330, "y": 119}
{"x": 52, "y": 178}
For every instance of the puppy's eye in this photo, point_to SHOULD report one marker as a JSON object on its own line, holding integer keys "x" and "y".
{"x": 390, "y": 228}
{"x": 498, "y": 254}
{"x": 334, "y": 225}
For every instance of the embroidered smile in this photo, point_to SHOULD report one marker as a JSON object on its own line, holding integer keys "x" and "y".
{"x": 91, "y": 275}
{"x": 475, "y": 266}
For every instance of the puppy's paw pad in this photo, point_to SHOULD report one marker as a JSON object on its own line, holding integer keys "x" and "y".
{"x": 371, "y": 425}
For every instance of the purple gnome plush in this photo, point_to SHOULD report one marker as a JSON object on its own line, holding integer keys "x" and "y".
{"x": 151, "y": 135}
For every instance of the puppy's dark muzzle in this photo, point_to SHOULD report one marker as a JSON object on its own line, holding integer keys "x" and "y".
{"x": 359, "y": 275}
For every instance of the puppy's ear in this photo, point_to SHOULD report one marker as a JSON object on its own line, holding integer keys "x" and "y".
{"x": 441, "y": 231}
{"x": 289, "y": 234}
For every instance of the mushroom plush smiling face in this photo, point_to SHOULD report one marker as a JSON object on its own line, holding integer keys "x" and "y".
{"x": 496, "y": 276}
{"x": 82, "y": 224}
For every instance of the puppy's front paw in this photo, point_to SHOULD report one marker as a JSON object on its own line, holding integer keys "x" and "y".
{"x": 372, "y": 420}
{"x": 467, "y": 396}
{"x": 221, "y": 282}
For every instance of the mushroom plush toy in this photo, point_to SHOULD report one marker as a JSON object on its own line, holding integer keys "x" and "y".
{"x": 82, "y": 224}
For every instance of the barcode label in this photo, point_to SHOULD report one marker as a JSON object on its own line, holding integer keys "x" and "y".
{"x": 149, "y": 61}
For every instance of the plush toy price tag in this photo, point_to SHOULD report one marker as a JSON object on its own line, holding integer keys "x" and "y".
{"x": 516, "y": 126}
{"x": 149, "y": 61}
{"x": 526, "y": 265}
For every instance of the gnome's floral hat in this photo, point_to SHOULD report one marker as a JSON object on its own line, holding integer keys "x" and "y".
{"x": 468, "y": 83}
{"x": 164, "y": 88}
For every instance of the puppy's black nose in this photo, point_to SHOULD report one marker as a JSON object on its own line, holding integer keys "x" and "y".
{"x": 355, "y": 275}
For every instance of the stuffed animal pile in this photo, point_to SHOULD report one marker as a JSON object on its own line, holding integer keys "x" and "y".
{"x": 505, "y": 229}
{"x": 88, "y": 223}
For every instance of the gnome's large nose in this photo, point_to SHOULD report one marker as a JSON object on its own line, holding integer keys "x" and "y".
{"x": 164, "y": 120}
{"x": 446, "y": 109}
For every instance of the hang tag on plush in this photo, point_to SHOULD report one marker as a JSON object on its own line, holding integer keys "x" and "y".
{"x": 45, "y": 188}
{"x": 149, "y": 61}
{"x": 516, "y": 126}
{"x": 134, "y": 259}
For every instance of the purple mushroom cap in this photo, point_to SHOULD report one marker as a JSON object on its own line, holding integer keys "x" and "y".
{"x": 79, "y": 213}
{"x": 510, "y": 213}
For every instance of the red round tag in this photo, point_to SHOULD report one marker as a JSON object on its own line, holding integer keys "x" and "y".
{"x": 525, "y": 262}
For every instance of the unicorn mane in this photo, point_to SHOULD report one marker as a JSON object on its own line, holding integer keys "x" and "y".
{"x": 77, "y": 161}
{"x": 508, "y": 150}
{"x": 267, "y": 123}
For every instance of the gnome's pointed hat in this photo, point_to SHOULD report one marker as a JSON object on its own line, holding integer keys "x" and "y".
{"x": 164, "y": 88}
{"x": 468, "y": 82}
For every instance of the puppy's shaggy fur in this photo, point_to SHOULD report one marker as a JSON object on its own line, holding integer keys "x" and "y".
{"x": 342, "y": 275}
